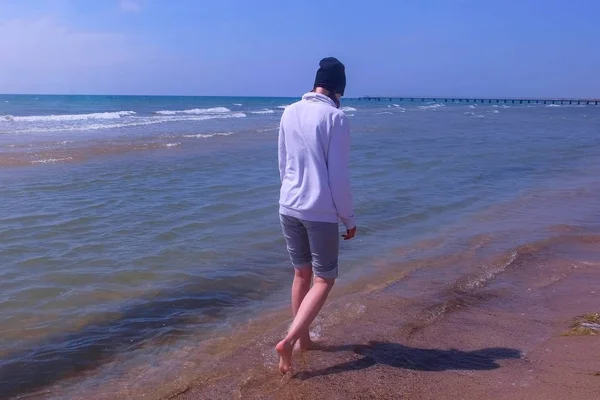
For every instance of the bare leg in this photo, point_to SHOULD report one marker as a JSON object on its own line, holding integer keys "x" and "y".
{"x": 307, "y": 312}
{"x": 300, "y": 287}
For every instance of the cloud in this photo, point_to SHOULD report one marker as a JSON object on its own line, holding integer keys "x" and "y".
{"x": 130, "y": 5}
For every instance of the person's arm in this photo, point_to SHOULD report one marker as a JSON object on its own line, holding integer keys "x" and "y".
{"x": 282, "y": 154}
{"x": 339, "y": 171}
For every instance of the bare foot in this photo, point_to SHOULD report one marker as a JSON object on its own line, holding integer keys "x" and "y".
{"x": 285, "y": 349}
{"x": 305, "y": 342}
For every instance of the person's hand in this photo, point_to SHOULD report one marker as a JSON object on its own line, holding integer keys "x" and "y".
{"x": 350, "y": 233}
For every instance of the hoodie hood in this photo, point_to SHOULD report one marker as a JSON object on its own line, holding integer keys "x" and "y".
{"x": 318, "y": 98}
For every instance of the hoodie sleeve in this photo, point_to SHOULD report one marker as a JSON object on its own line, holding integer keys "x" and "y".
{"x": 338, "y": 161}
{"x": 282, "y": 154}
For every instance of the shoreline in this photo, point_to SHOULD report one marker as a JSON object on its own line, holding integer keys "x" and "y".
{"x": 502, "y": 339}
{"x": 404, "y": 322}
{"x": 413, "y": 310}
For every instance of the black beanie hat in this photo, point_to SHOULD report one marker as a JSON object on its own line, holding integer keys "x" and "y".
{"x": 331, "y": 75}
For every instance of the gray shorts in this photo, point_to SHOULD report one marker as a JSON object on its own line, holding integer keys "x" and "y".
{"x": 312, "y": 243}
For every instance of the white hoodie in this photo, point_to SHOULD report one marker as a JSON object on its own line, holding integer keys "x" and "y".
{"x": 314, "y": 153}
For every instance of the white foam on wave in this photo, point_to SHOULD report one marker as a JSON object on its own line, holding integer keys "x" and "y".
{"x": 348, "y": 109}
{"x": 283, "y": 107}
{"x": 51, "y": 160}
{"x": 472, "y": 114}
{"x": 208, "y": 135}
{"x": 172, "y": 144}
{"x": 431, "y": 107}
{"x": 495, "y": 111}
{"x": 205, "y": 117}
{"x": 385, "y": 113}
{"x": 68, "y": 117}
{"x": 195, "y": 111}
{"x": 238, "y": 104}
{"x": 553, "y": 105}
{"x": 472, "y": 106}
{"x": 349, "y": 115}
{"x": 129, "y": 124}
{"x": 263, "y": 111}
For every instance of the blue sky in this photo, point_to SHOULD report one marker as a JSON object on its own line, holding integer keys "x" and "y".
{"x": 263, "y": 47}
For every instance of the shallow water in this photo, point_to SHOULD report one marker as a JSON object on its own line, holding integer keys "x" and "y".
{"x": 148, "y": 224}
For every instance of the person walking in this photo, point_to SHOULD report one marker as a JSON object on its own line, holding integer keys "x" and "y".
{"x": 315, "y": 195}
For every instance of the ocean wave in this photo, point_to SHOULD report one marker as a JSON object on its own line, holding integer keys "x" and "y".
{"x": 208, "y": 135}
{"x": 553, "y": 105}
{"x": 129, "y": 124}
{"x": 205, "y": 117}
{"x": 283, "y": 107}
{"x": 172, "y": 144}
{"x": 51, "y": 160}
{"x": 431, "y": 107}
{"x": 238, "y": 104}
{"x": 472, "y": 106}
{"x": 385, "y": 113}
{"x": 472, "y": 114}
{"x": 195, "y": 111}
{"x": 350, "y": 115}
{"x": 68, "y": 117}
{"x": 263, "y": 111}
{"x": 347, "y": 109}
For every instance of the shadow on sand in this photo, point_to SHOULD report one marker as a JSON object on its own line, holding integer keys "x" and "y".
{"x": 400, "y": 356}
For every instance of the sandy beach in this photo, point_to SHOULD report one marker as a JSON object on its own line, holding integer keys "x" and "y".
{"x": 505, "y": 337}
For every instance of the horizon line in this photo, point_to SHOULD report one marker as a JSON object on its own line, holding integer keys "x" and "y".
{"x": 395, "y": 97}
{"x": 142, "y": 95}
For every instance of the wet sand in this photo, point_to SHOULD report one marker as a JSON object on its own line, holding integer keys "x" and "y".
{"x": 473, "y": 324}
{"x": 500, "y": 337}
{"x": 76, "y": 150}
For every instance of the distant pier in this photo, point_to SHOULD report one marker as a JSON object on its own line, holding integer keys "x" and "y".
{"x": 479, "y": 100}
